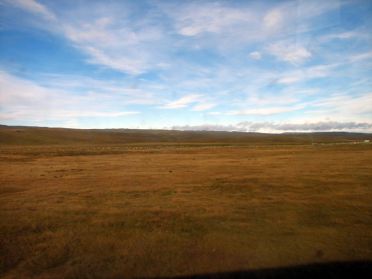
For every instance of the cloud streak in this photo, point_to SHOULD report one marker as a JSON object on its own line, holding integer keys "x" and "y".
{"x": 266, "y": 110}
{"x": 182, "y": 102}
{"x": 25, "y": 100}
{"x": 35, "y": 7}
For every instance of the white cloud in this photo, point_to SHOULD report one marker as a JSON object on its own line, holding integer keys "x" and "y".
{"x": 33, "y": 6}
{"x": 22, "y": 99}
{"x": 290, "y": 79}
{"x": 119, "y": 90}
{"x": 315, "y": 8}
{"x": 215, "y": 113}
{"x": 115, "y": 61}
{"x": 195, "y": 19}
{"x": 182, "y": 102}
{"x": 249, "y": 22}
{"x": 304, "y": 74}
{"x": 111, "y": 37}
{"x": 346, "y": 105}
{"x": 255, "y": 55}
{"x": 266, "y": 110}
{"x": 273, "y": 19}
{"x": 105, "y": 35}
{"x": 203, "y": 106}
{"x": 60, "y": 115}
{"x": 342, "y": 36}
{"x": 273, "y": 100}
{"x": 361, "y": 56}
{"x": 127, "y": 48}
{"x": 288, "y": 52}
{"x": 97, "y": 114}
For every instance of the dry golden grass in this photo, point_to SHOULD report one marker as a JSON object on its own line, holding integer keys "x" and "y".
{"x": 158, "y": 210}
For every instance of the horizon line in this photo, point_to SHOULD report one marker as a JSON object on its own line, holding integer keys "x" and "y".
{"x": 188, "y": 130}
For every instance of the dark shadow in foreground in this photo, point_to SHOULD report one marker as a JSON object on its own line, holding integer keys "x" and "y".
{"x": 336, "y": 270}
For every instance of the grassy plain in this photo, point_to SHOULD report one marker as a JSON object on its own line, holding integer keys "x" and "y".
{"x": 162, "y": 209}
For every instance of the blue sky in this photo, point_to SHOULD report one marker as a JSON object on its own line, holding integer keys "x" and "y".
{"x": 266, "y": 66}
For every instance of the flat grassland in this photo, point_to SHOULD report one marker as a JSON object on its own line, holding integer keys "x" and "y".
{"x": 147, "y": 210}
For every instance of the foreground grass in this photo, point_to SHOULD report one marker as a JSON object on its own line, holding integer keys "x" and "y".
{"x": 119, "y": 211}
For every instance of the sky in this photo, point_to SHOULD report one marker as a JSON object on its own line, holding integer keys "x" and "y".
{"x": 258, "y": 66}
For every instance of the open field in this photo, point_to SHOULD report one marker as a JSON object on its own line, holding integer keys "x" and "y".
{"x": 110, "y": 210}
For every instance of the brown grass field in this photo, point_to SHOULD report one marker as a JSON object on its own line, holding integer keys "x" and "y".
{"x": 90, "y": 207}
